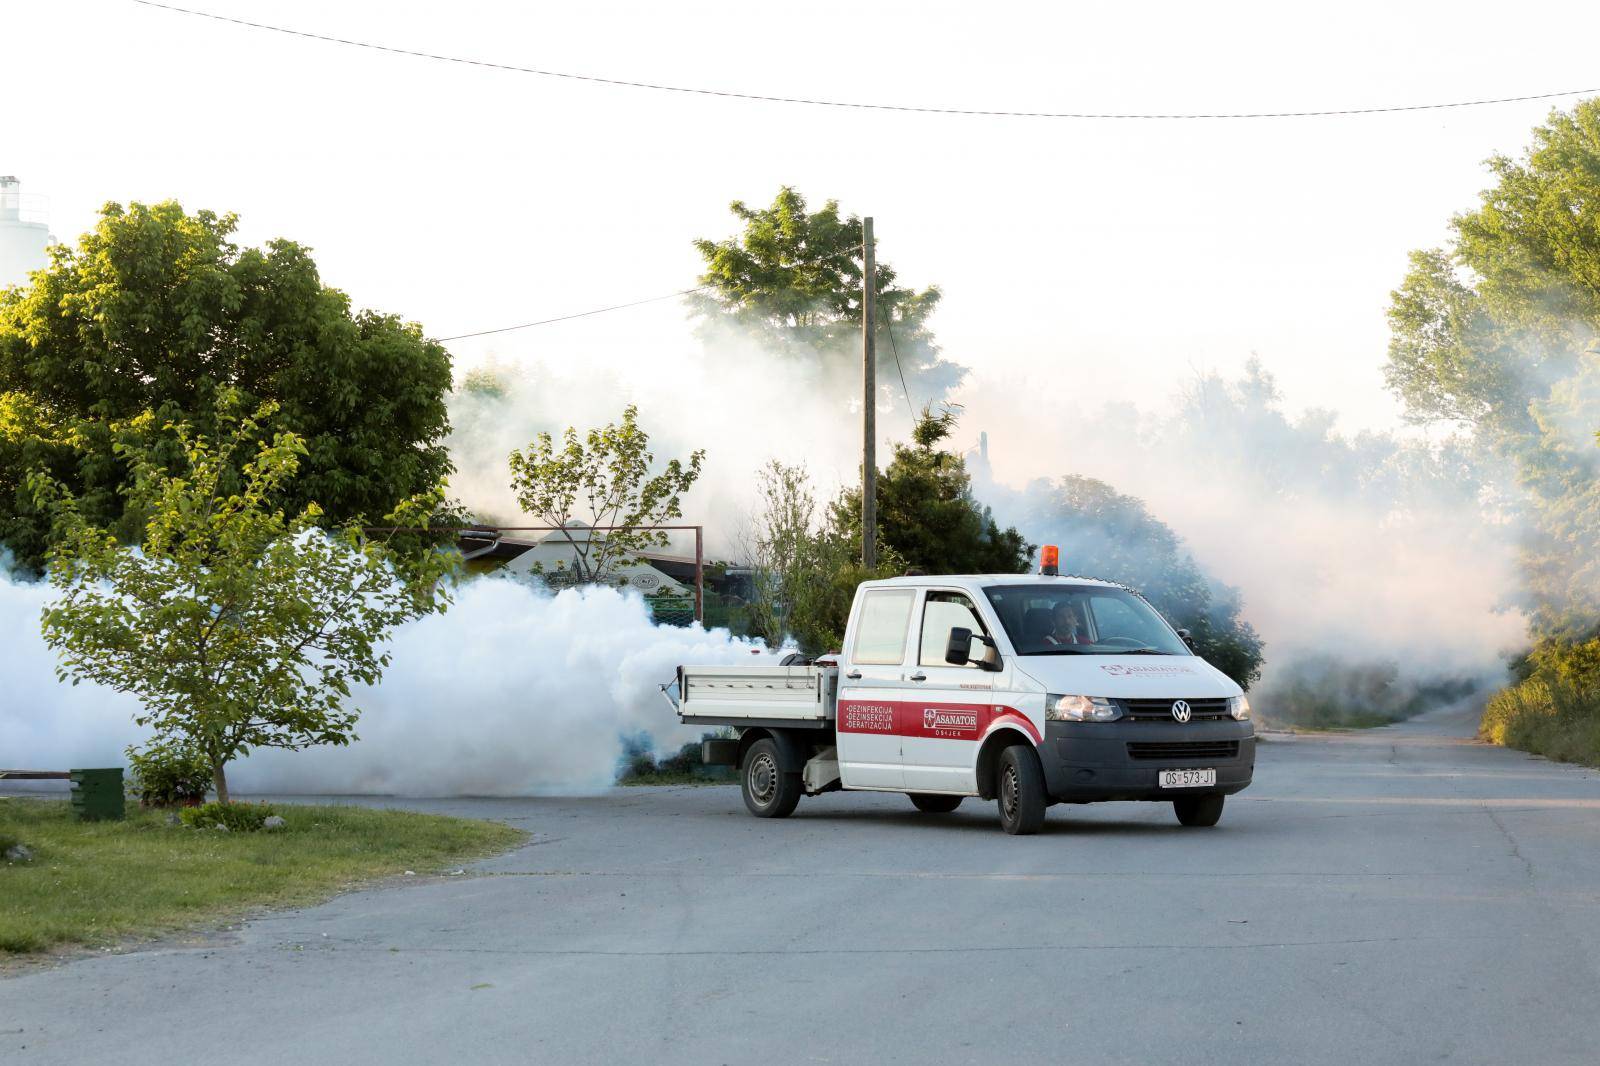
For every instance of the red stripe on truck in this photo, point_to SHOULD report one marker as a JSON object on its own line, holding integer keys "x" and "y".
{"x": 940, "y": 721}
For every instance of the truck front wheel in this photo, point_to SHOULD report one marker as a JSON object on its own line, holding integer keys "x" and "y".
{"x": 769, "y": 792}
{"x": 1020, "y": 791}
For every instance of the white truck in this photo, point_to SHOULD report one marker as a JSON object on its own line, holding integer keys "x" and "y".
{"x": 1027, "y": 689}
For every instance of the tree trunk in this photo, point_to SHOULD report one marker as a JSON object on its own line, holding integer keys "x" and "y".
{"x": 219, "y": 778}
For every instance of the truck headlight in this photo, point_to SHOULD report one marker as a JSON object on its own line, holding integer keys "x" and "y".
{"x": 1239, "y": 707}
{"x": 1080, "y": 709}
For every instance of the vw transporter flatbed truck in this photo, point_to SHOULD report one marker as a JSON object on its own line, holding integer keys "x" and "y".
{"x": 1029, "y": 690}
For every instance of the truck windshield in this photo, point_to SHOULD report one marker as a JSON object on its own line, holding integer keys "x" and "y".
{"x": 1060, "y": 619}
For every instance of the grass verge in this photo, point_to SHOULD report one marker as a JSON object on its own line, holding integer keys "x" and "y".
{"x": 94, "y": 883}
{"x": 1546, "y": 716}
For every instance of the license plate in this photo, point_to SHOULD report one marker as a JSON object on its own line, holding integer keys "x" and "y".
{"x": 1186, "y": 778}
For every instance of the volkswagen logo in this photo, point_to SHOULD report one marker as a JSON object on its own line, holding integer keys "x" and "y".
{"x": 1180, "y": 710}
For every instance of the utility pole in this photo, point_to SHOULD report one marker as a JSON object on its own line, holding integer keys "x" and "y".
{"x": 869, "y": 406}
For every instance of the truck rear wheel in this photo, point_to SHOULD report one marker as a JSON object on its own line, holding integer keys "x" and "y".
{"x": 1019, "y": 791}
{"x": 1198, "y": 810}
{"x": 769, "y": 792}
{"x": 933, "y": 803}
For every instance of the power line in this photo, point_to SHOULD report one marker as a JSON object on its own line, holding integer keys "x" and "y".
{"x": 888, "y": 327}
{"x": 580, "y": 314}
{"x": 858, "y": 105}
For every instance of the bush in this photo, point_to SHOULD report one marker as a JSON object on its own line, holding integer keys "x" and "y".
{"x": 7, "y": 842}
{"x": 236, "y": 817}
{"x": 1546, "y": 715}
{"x": 167, "y": 777}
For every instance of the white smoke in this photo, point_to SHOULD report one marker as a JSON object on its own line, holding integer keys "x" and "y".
{"x": 514, "y": 691}
{"x": 741, "y": 404}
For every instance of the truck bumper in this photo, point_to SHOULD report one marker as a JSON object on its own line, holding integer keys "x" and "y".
{"x": 1085, "y": 762}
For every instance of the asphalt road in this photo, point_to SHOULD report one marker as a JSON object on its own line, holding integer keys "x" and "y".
{"x": 1399, "y": 896}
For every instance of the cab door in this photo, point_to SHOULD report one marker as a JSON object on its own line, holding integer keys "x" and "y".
{"x": 871, "y": 686}
{"x": 953, "y": 704}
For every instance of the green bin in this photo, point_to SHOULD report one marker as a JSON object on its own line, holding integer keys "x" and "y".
{"x": 97, "y": 795}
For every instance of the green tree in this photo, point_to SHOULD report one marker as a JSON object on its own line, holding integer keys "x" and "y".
{"x": 1105, "y": 534}
{"x": 927, "y": 513}
{"x": 237, "y": 627}
{"x": 602, "y": 479}
{"x": 793, "y": 279}
{"x": 1501, "y": 331}
{"x": 158, "y": 310}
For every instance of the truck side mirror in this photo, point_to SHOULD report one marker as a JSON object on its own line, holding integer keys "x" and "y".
{"x": 958, "y": 652}
{"x": 1188, "y": 638}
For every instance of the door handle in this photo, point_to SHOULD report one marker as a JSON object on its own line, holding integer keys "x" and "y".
{"x": 919, "y": 676}
{"x": 854, "y": 675}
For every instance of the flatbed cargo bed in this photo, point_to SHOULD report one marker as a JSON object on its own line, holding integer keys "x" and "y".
{"x": 797, "y": 697}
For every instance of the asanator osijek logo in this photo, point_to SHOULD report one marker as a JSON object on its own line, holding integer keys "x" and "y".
{"x": 934, "y": 719}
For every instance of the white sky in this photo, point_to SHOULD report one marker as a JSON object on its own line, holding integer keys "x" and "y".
{"x": 1105, "y": 258}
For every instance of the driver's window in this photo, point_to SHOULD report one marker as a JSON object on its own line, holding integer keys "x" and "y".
{"x": 942, "y": 612}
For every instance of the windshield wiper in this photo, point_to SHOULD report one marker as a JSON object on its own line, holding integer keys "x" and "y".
{"x": 1065, "y": 649}
{"x": 1143, "y": 651}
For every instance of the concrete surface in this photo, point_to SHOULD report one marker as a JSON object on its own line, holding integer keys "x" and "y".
{"x": 1398, "y": 896}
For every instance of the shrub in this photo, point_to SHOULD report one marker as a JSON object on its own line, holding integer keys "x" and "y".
{"x": 7, "y": 842}
{"x": 237, "y": 817}
{"x": 1548, "y": 716}
{"x": 167, "y": 777}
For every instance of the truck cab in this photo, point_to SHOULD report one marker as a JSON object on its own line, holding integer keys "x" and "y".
{"x": 1030, "y": 690}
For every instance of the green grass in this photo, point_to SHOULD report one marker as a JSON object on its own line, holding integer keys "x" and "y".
{"x": 97, "y": 883}
{"x": 1546, "y": 716}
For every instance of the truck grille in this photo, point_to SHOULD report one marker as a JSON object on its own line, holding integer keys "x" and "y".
{"x": 1201, "y": 710}
{"x": 1184, "y": 750}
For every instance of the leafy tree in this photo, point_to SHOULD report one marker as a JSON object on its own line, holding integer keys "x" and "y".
{"x": 793, "y": 279}
{"x": 1105, "y": 534}
{"x": 927, "y": 513}
{"x": 605, "y": 475}
{"x": 1499, "y": 332}
{"x": 236, "y": 626}
{"x": 158, "y": 310}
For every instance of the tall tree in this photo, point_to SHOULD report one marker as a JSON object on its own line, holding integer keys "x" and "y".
{"x": 157, "y": 310}
{"x": 1501, "y": 331}
{"x": 927, "y": 514}
{"x": 792, "y": 278}
{"x": 236, "y": 626}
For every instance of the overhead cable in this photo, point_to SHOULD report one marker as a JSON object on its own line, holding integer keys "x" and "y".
{"x": 856, "y": 104}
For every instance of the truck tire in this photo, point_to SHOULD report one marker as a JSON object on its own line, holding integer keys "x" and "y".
{"x": 1019, "y": 791}
{"x": 769, "y": 792}
{"x": 1198, "y": 810}
{"x": 932, "y": 803}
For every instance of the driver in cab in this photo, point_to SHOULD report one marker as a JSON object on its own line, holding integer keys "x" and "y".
{"x": 1065, "y": 628}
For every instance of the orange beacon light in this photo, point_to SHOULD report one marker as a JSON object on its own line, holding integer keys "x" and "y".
{"x": 1049, "y": 560}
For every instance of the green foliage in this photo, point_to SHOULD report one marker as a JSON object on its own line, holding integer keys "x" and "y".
{"x": 158, "y": 311}
{"x": 602, "y": 479}
{"x": 236, "y": 626}
{"x": 168, "y": 775}
{"x": 804, "y": 574}
{"x": 927, "y": 514}
{"x": 1103, "y": 533}
{"x": 7, "y": 842}
{"x": 235, "y": 817}
{"x": 684, "y": 767}
{"x": 792, "y": 278}
{"x": 1548, "y": 716}
{"x": 1499, "y": 331}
